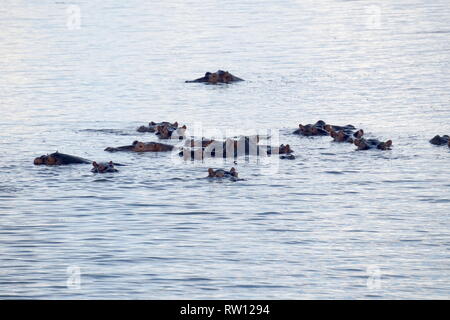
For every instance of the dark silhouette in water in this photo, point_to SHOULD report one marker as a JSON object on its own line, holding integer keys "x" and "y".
{"x": 103, "y": 167}
{"x": 366, "y": 144}
{"x": 440, "y": 141}
{"x": 57, "y": 159}
{"x": 138, "y": 146}
{"x": 217, "y": 77}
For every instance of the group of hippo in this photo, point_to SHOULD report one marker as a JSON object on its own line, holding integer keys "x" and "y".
{"x": 231, "y": 147}
{"x": 347, "y": 133}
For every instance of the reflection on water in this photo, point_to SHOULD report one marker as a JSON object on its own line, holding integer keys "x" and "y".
{"x": 334, "y": 223}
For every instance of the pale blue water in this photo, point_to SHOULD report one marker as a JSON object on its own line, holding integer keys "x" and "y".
{"x": 315, "y": 227}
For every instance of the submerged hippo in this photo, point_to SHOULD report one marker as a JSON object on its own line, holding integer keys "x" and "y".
{"x": 331, "y": 127}
{"x": 138, "y": 146}
{"x": 289, "y": 156}
{"x": 170, "y": 132}
{"x": 346, "y": 135}
{"x": 440, "y": 141}
{"x": 219, "y": 173}
{"x": 366, "y": 144}
{"x": 152, "y": 126}
{"x": 217, "y": 77}
{"x": 231, "y": 148}
{"x": 316, "y": 129}
{"x": 198, "y": 143}
{"x": 57, "y": 159}
{"x": 103, "y": 167}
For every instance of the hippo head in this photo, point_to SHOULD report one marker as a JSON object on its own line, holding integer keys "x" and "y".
{"x": 179, "y": 133}
{"x": 306, "y": 130}
{"x": 103, "y": 167}
{"x": 233, "y": 172}
{"x": 224, "y": 76}
{"x": 362, "y": 144}
{"x": 213, "y": 78}
{"x": 340, "y": 136}
{"x": 285, "y": 149}
{"x": 139, "y": 146}
{"x": 385, "y": 145}
{"x": 358, "y": 134}
{"x": 168, "y": 131}
{"x": 48, "y": 160}
{"x": 320, "y": 124}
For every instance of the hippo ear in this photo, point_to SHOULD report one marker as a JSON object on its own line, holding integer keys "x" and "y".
{"x": 111, "y": 163}
{"x": 95, "y": 164}
{"x": 388, "y": 144}
{"x": 175, "y": 124}
{"x": 184, "y": 127}
{"x": 134, "y": 142}
{"x": 358, "y": 134}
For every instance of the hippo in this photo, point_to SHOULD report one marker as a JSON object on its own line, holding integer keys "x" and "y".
{"x": 282, "y": 149}
{"x": 317, "y": 129}
{"x": 440, "y": 141}
{"x": 217, "y": 77}
{"x": 346, "y": 135}
{"x": 171, "y": 132}
{"x": 103, "y": 167}
{"x": 219, "y": 173}
{"x": 138, "y": 146}
{"x": 152, "y": 126}
{"x": 331, "y": 127}
{"x": 198, "y": 143}
{"x": 366, "y": 144}
{"x": 233, "y": 148}
{"x": 289, "y": 156}
{"x": 57, "y": 159}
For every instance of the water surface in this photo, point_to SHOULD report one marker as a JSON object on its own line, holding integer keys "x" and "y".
{"x": 334, "y": 223}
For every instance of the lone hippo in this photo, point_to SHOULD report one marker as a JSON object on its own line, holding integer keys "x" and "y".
{"x": 217, "y": 77}
{"x": 346, "y": 135}
{"x": 440, "y": 141}
{"x": 171, "y": 132}
{"x": 57, "y": 159}
{"x": 152, "y": 126}
{"x": 219, "y": 173}
{"x": 366, "y": 144}
{"x": 103, "y": 167}
{"x": 138, "y": 146}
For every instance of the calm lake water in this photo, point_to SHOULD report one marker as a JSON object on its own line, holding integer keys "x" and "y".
{"x": 81, "y": 76}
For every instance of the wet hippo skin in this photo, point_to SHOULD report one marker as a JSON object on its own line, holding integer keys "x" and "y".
{"x": 138, "y": 146}
{"x": 219, "y": 76}
{"x": 57, "y": 158}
